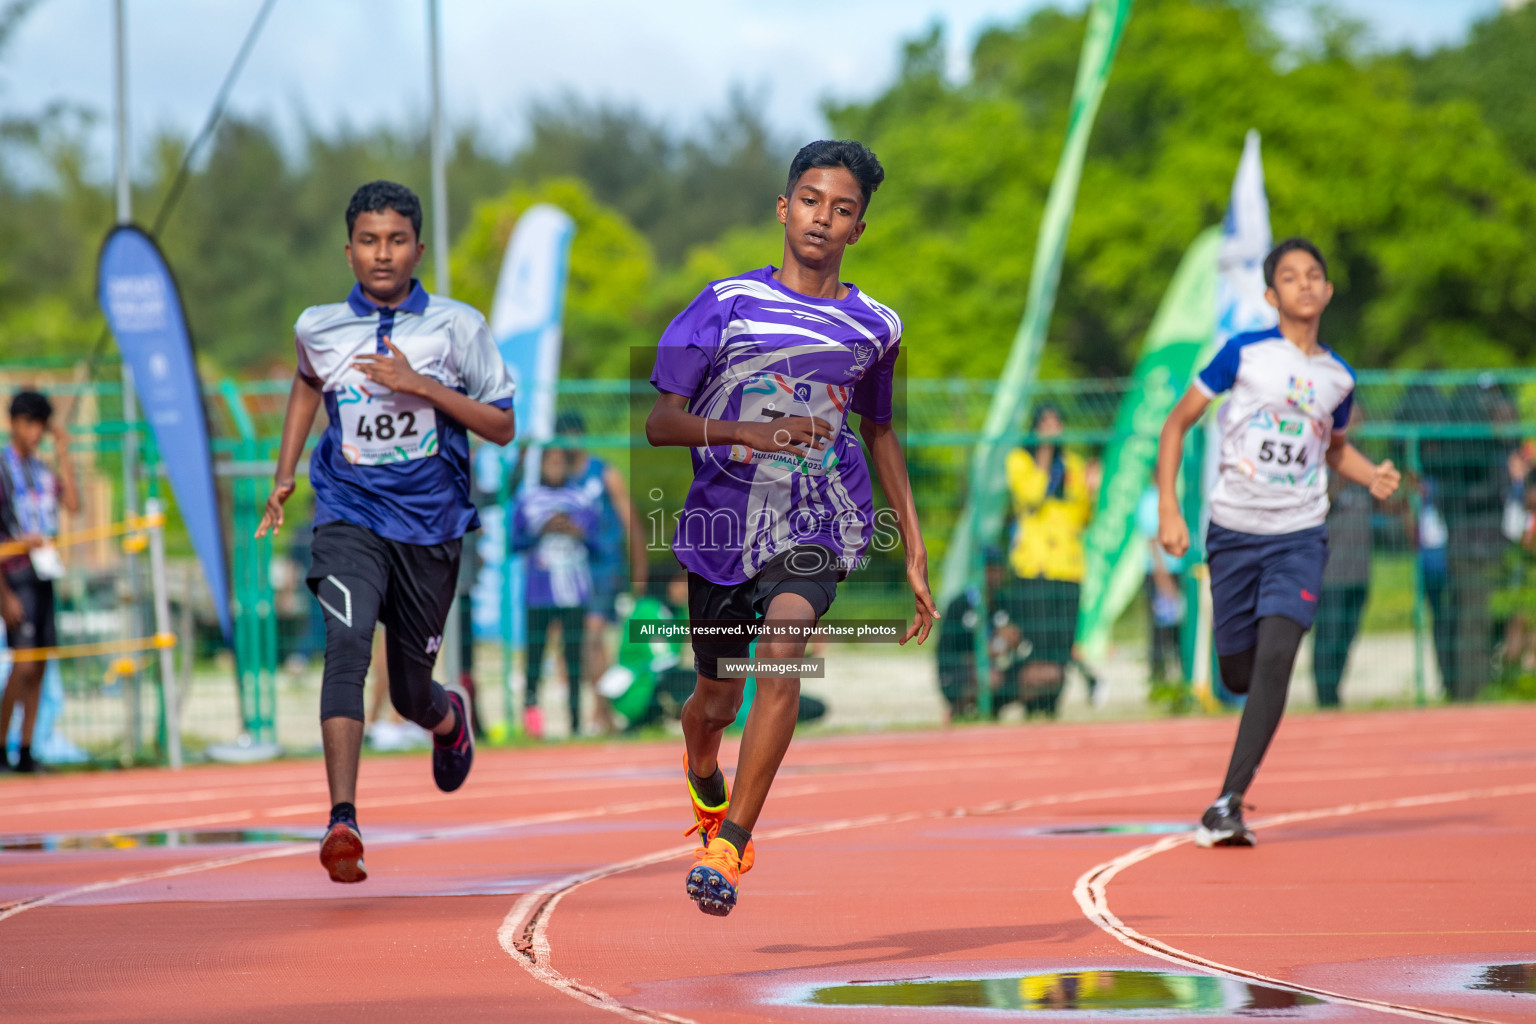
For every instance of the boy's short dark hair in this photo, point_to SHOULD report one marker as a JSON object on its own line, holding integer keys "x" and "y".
{"x": 378, "y": 196}
{"x": 854, "y": 156}
{"x": 1290, "y": 245}
{"x": 31, "y": 405}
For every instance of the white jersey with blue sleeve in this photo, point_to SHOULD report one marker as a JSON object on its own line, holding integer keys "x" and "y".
{"x": 1275, "y": 431}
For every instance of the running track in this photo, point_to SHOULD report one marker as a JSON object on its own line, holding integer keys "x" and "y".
{"x": 1401, "y": 860}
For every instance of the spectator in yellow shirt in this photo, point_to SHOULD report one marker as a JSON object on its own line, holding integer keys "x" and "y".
{"x": 1053, "y": 492}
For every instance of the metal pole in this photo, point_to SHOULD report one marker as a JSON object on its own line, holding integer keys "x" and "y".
{"x": 1420, "y": 621}
{"x": 130, "y": 403}
{"x": 168, "y": 695}
{"x": 120, "y": 84}
{"x": 453, "y": 662}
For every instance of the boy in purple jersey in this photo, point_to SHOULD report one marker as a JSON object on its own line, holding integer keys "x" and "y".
{"x": 1281, "y": 431}
{"x": 404, "y": 376}
{"x": 757, "y": 377}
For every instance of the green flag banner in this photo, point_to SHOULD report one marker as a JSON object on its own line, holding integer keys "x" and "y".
{"x": 1115, "y": 552}
{"x": 983, "y": 515}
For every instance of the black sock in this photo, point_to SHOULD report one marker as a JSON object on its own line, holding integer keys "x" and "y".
{"x": 736, "y": 836}
{"x": 24, "y": 756}
{"x": 710, "y": 790}
{"x": 1273, "y": 659}
{"x": 344, "y": 812}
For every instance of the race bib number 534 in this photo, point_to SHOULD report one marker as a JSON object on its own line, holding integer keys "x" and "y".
{"x": 377, "y": 429}
{"x": 1283, "y": 450}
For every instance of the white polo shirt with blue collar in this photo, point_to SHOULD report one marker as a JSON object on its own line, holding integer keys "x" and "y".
{"x": 1275, "y": 431}
{"x": 393, "y": 463}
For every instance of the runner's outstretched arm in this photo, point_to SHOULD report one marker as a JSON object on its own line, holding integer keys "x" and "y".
{"x": 394, "y": 371}
{"x": 1172, "y": 531}
{"x": 303, "y": 402}
{"x": 1347, "y": 461}
{"x": 891, "y": 470}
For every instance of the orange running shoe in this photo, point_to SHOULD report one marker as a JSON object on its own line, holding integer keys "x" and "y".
{"x": 707, "y": 819}
{"x": 713, "y": 880}
{"x": 341, "y": 851}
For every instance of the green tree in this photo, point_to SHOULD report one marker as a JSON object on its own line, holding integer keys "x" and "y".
{"x": 1428, "y": 222}
{"x": 611, "y": 272}
{"x": 1494, "y": 70}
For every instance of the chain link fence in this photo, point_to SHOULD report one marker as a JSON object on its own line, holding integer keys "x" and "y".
{"x": 1429, "y": 596}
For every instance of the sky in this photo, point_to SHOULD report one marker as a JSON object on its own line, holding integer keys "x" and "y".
{"x": 362, "y": 62}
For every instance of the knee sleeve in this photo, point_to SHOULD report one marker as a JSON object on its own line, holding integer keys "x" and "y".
{"x": 349, "y": 624}
{"x": 1237, "y": 670}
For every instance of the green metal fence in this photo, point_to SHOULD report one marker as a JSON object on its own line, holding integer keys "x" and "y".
{"x": 1423, "y": 620}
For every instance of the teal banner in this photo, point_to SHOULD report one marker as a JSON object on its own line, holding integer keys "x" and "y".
{"x": 986, "y": 498}
{"x": 1114, "y": 550}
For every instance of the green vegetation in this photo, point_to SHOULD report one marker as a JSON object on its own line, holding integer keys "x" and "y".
{"x": 1415, "y": 172}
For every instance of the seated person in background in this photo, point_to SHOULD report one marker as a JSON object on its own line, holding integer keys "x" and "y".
{"x": 553, "y": 522}
{"x": 650, "y": 680}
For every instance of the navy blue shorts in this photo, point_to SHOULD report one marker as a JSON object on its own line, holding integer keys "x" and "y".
{"x": 1254, "y": 575}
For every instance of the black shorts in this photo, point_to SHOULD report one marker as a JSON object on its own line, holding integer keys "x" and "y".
{"x": 38, "y": 627}
{"x": 362, "y": 579}
{"x": 810, "y": 570}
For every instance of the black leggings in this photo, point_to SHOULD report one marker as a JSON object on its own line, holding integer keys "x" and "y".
{"x": 1263, "y": 672}
{"x": 573, "y": 632}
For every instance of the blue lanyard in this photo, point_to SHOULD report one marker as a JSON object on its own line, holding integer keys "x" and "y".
{"x": 33, "y": 511}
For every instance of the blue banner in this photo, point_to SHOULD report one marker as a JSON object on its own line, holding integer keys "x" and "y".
{"x": 143, "y": 308}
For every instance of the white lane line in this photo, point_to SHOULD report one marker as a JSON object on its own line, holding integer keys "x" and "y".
{"x": 1091, "y": 893}
{"x": 452, "y": 832}
{"x": 524, "y": 932}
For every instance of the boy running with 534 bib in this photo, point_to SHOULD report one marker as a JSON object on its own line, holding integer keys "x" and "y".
{"x": 1281, "y": 431}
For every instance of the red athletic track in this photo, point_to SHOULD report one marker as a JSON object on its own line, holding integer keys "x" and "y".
{"x": 1404, "y": 860}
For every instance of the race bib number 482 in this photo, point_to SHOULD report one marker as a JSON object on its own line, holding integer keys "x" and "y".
{"x": 378, "y": 429}
{"x": 1282, "y": 450}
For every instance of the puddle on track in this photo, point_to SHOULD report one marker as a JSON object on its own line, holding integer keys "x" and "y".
{"x": 1138, "y": 993}
{"x": 1517, "y": 978}
{"x": 1137, "y": 828}
{"x": 49, "y": 842}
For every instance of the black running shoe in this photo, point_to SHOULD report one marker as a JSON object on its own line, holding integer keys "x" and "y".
{"x": 1222, "y": 824}
{"x": 453, "y": 754}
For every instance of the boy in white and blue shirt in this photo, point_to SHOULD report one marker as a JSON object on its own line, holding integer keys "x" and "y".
{"x": 1282, "y": 429}
{"x": 405, "y": 377}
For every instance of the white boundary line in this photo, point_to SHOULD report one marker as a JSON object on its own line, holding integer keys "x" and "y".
{"x": 1091, "y": 893}
{"x": 524, "y": 932}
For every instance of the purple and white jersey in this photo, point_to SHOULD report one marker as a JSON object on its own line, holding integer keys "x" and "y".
{"x": 750, "y": 349}
{"x": 559, "y": 567}
{"x": 1275, "y": 431}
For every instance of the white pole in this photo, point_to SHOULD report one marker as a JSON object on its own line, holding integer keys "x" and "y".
{"x": 453, "y": 663}
{"x": 130, "y": 403}
{"x": 439, "y": 157}
{"x": 120, "y": 83}
{"x": 125, "y": 216}
{"x": 168, "y": 695}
